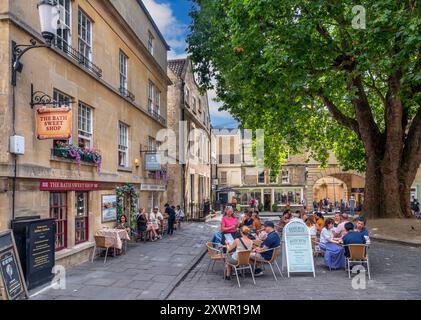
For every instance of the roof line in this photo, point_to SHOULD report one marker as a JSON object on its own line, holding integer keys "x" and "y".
{"x": 140, "y": 2}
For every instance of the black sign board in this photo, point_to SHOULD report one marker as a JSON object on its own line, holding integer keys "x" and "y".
{"x": 35, "y": 243}
{"x": 11, "y": 275}
{"x": 357, "y": 190}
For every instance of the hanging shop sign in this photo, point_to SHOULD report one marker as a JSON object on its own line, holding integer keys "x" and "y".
{"x": 68, "y": 185}
{"x": 152, "y": 161}
{"x": 12, "y": 280}
{"x": 53, "y": 123}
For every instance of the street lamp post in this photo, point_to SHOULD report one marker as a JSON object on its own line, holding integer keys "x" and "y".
{"x": 48, "y": 15}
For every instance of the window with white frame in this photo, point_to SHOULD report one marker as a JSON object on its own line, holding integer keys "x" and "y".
{"x": 84, "y": 37}
{"x": 261, "y": 177}
{"x": 151, "y": 144}
{"x": 150, "y": 96}
{"x": 64, "y": 29}
{"x": 84, "y": 124}
{"x": 150, "y": 42}
{"x": 157, "y": 101}
{"x": 123, "y": 145}
{"x": 123, "y": 71}
{"x": 285, "y": 176}
{"x": 62, "y": 100}
{"x": 273, "y": 177}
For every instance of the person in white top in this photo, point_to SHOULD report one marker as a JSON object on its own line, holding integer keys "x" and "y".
{"x": 156, "y": 218}
{"x": 334, "y": 256}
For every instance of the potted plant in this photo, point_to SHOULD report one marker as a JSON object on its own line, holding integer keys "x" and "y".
{"x": 275, "y": 207}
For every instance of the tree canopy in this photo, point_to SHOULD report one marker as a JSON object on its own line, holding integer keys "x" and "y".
{"x": 299, "y": 70}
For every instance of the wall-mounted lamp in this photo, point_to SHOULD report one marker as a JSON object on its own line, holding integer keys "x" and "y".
{"x": 136, "y": 163}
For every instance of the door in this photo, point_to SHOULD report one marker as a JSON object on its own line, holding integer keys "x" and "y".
{"x": 267, "y": 202}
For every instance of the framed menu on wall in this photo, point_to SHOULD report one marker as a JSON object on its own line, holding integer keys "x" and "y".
{"x": 108, "y": 208}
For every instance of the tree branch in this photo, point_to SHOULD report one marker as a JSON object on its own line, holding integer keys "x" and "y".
{"x": 338, "y": 115}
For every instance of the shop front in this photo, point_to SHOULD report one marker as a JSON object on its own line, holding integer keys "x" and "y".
{"x": 155, "y": 195}
{"x": 73, "y": 207}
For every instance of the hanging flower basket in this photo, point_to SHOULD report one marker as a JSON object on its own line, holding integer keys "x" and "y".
{"x": 68, "y": 151}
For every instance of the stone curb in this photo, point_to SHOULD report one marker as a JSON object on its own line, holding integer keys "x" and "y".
{"x": 174, "y": 283}
{"x": 402, "y": 242}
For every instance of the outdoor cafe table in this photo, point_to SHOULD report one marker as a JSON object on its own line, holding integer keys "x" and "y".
{"x": 115, "y": 235}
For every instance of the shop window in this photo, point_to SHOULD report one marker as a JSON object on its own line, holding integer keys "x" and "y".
{"x": 81, "y": 219}
{"x": 58, "y": 211}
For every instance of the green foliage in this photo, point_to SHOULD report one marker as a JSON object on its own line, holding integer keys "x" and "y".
{"x": 275, "y": 207}
{"x": 260, "y": 207}
{"x": 127, "y": 190}
{"x": 272, "y": 59}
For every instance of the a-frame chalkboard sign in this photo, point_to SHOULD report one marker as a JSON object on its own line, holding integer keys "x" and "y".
{"x": 12, "y": 282}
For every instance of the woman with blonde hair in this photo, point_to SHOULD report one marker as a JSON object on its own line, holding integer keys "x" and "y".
{"x": 239, "y": 244}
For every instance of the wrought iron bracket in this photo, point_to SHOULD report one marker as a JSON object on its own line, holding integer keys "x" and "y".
{"x": 40, "y": 98}
{"x": 18, "y": 50}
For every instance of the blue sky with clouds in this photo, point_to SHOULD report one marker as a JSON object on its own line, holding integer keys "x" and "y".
{"x": 172, "y": 18}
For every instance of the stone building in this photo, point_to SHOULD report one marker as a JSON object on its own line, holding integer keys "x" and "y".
{"x": 299, "y": 181}
{"x": 109, "y": 64}
{"x": 188, "y": 116}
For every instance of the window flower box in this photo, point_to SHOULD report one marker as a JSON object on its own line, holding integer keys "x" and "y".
{"x": 67, "y": 151}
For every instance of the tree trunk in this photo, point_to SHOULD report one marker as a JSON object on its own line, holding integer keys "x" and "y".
{"x": 386, "y": 193}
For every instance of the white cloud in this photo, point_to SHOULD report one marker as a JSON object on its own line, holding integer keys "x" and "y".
{"x": 173, "y": 30}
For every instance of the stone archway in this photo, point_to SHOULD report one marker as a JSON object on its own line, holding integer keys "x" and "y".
{"x": 352, "y": 179}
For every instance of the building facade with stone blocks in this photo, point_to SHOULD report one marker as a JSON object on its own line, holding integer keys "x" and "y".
{"x": 301, "y": 180}
{"x": 108, "y": 63}
{"x": 189, "y": 183}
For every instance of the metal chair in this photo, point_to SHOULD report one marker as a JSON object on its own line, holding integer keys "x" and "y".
{"x": 214, "y": 254}
{"x": 271, "y": 262}
{"x": 315, "y": 245}
{"x": 243, "y": 263}
{"x": 357, "y": 253}
{"x": 102, "y": 242}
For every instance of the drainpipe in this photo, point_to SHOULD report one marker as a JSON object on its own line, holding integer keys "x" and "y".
{"x": 183, "y": 165}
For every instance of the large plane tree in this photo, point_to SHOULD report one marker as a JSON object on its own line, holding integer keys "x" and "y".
{"x": 315, "y": 75}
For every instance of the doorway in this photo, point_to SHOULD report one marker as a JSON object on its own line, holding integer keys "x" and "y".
{"x": 267, "y": 202}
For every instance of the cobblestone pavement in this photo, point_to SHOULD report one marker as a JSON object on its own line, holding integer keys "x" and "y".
{"x": 147, "y": 271}
{"x": 395, "y": 271}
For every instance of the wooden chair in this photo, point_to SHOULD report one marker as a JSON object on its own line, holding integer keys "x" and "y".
{"x": 357, "y": 253}
{"x": 271, "y": 262}
{"x": 214, "y": 254}
{"x": 315, "y": 245}
{"x": 243, "y": 263}
{"x": 102, "y": 242}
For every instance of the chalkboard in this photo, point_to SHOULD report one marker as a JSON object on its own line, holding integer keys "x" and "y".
{"x": 11, "y": 275}
{"x": 35, "y": 243}
{"x": 297, "y": 248}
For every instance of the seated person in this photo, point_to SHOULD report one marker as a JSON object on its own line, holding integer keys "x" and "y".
{"x": 320, "y": 221}
{"x": 123, "y": 224}
{"x": 155, "y": 222}
{"x": 239, "y": 244}
{"x": 334, "y": 253}
{"x": 340, "y": 231}
{"x": 360, "y": 226}
{"x": 257, "y": 224}
{"x": 247, "y": 220}
{"x": 285, "y": 218}
{"x": 352, "y": 237}
{"x": 144, "y": 225}
{"x": 265, "y": 252}
{"x": 311, "y": 226}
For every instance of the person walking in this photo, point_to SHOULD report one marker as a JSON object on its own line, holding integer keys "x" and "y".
{"x": 171, "y": 218}
{"x": 352, "y": 205}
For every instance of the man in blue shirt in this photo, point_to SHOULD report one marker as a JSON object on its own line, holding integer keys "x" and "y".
{"x": 360, "y": 226}
{"x": 272, "y": 241}
{"x": 171, "y": 218}
{"x": 352, "y": 237}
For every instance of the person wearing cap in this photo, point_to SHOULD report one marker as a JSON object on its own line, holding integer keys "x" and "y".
{"x": 265, "y": 252}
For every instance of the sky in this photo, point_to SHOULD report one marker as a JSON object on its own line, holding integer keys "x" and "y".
{"x": 172, "y": 18}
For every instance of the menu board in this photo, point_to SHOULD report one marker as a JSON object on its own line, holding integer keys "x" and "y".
{"x": 297, "y": 246}
{"x": 41, "y": 246}
{"x": 11, "y": 276}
